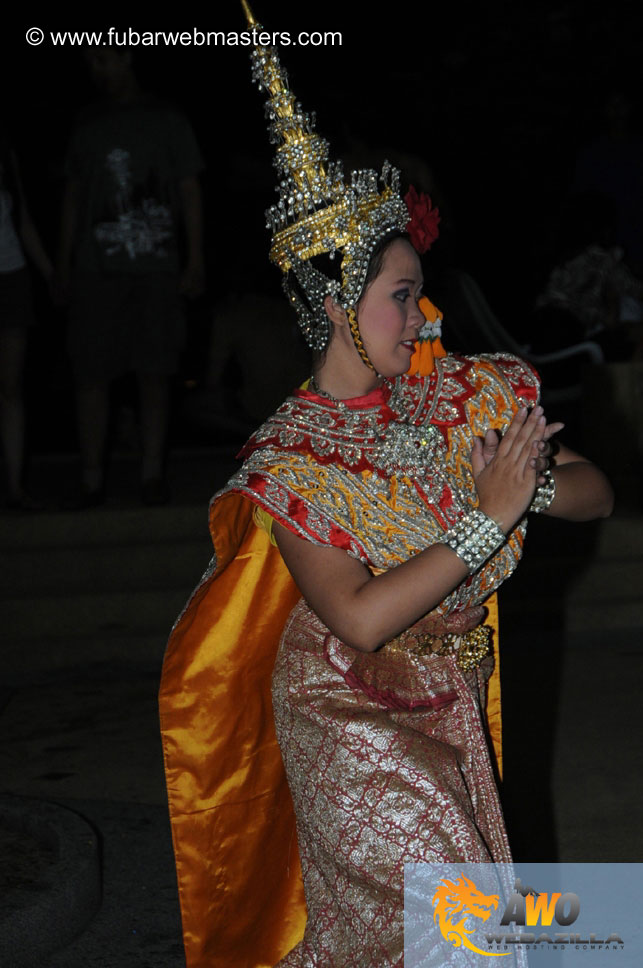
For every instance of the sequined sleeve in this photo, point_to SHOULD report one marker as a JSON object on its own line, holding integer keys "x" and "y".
{"x": 503, "y": 384}
{"x": 305, "y": 497}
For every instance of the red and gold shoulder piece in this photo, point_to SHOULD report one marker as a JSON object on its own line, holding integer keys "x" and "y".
{"x": 451, "y": 384}
{"x": 521, "y": 376}
{"x": 440, "y": 399}
{"x": 301, "y": 494}
{"x": 503, "y": 384}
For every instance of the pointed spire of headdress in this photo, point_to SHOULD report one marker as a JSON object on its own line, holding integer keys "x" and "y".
{"x": 250, "y": 17}
{"x": 301, "y": 153}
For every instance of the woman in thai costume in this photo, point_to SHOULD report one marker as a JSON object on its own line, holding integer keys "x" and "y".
{"x": 373, "y": 519}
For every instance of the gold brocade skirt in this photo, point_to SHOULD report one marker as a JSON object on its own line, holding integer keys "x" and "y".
{"x": 387, "y": 762}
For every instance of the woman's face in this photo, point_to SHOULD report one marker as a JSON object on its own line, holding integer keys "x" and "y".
{"x": 388, "y": 314}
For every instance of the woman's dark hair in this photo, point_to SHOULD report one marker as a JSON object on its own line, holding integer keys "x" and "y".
{"x": 377, "y": 257}
{"x": 332, "y": 267}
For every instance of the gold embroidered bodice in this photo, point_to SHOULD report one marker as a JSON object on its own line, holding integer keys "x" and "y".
{"x": 384, "y": 475}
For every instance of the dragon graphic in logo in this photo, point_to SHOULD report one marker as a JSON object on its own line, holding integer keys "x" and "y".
{"x": 462, "y": 898}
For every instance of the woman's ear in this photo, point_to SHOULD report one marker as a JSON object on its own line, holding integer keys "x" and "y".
{"x": 336, "y": 312}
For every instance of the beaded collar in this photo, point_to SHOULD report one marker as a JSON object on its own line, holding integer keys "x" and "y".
{"x": 398, "y": 427}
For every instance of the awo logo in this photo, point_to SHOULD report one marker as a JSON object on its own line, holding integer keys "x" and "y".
{"x": 527, "y": 906}
{"x": 457, "y": 904}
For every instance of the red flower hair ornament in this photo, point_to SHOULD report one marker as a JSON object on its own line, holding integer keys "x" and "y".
{"x": 423, "y": 220}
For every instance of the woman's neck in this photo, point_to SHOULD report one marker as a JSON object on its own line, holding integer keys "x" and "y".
{"x": 343, "y": 377}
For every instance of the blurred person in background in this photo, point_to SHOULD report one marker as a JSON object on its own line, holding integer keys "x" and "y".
{"x": 19, "y": 239}
{"x": 130, "y": 249}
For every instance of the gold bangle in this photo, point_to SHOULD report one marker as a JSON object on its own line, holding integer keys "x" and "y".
{"x": 470, "y": 648}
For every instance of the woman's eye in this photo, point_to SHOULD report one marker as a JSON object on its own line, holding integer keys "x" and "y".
{"x": 402, "y": 295}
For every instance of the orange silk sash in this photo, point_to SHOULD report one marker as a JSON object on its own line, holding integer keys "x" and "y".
{"x": 232, "y": 819}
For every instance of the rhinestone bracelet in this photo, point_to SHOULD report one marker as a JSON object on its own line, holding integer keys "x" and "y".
{"x": 474, "y": 538}
{"x": 545, "y": 493}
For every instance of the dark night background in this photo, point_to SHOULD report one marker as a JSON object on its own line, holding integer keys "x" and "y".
{"x": 496, "y": 99}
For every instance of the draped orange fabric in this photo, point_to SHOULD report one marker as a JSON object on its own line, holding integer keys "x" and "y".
{"x": 232, "y": 819}
{"x": 494, "y": 704}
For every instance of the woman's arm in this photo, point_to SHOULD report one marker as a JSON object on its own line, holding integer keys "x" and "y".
{"x": 193, "y": 276}
{"x": 29, "y": 235}
{"x": 583, "y": 492}
{"x": 33, "y": 246}
{"x": 66, "y": 240}
{"x": 365, "y": 611}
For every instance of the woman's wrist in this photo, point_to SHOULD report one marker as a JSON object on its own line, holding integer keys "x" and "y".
{"x": 498, "y": 517}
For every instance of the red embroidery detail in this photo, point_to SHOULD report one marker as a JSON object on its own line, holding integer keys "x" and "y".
{"x": 446, "y": 498}
{"x": 450, "y": 399}
{"x": 389, "y": 700}
{"x": 294, "y": 515}
{"x": 513, "y": 370}
{"x": 385, "y": 697}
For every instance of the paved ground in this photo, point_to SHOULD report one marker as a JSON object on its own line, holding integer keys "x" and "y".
{"x": 89, "y": 741}
{"x": 87, "y": 738}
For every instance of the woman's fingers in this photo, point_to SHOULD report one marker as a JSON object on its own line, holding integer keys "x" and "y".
{"x": 522, "y": 426}
{"x": 536, "y": 435}
{"x": 506, "y": 480}
{"x": 526, "y": 441}
{"x": 478, "y": 463}
{"x": 541, "y": 433}
{"x": 514, "y": 428}
{"x": 523, "y": 432}
{"x": 540, "y": 463}
{"x": 490, "y": 445}
{"x": 522, "y": 422}
{"x": 551, "y": 429}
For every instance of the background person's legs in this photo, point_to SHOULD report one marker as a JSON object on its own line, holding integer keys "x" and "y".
{"x": 92, "y": 409}
{"x": 13, "y": 343}
{"x": 154, "y": 395}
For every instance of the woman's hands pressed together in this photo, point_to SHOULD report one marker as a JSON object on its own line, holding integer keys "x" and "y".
{"x": 365, "y": 610}
{"x": 508, "y": 471}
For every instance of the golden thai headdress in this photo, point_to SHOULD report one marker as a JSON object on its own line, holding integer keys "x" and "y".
{"x": 318, "y": 211}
